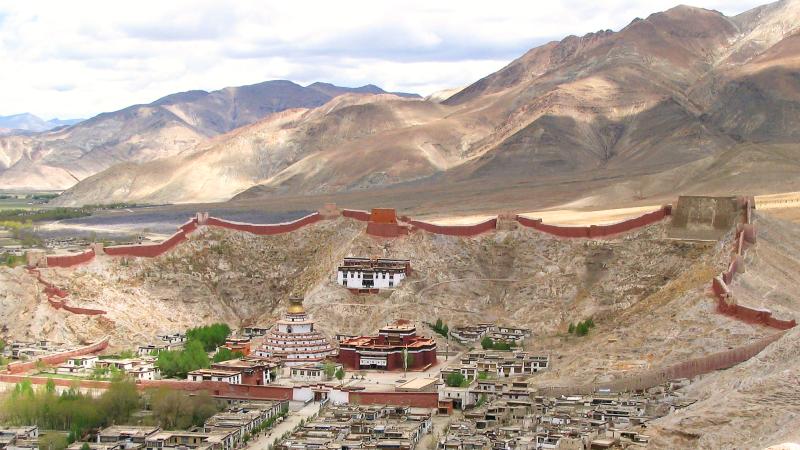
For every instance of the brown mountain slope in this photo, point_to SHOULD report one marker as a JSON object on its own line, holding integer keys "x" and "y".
{"x": 140, "y": 133}
{"x": 662, "y": 93}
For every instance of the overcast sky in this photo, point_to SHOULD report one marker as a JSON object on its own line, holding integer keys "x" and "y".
{"x": 75, "y": 59}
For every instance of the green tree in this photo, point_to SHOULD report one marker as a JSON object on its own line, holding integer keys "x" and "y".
{"x": 225, "y": 354}
{"x": 582, "y": 329}
{"x": 329, "y": 369}
{"x": 210, "y": 336}
{"x": 571, "y": 329}
{"x": 86, "y": 446}
{"x": 590, "y": 322}
{"x": 340, "y": 373}
{"x": 487, "y": 343}
{"x": 455, "y": 379}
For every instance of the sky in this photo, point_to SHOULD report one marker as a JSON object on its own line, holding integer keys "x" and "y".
{"x": 76, "y": 59}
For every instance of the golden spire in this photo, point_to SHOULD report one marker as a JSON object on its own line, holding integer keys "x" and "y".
{"x": 296, "y": 306}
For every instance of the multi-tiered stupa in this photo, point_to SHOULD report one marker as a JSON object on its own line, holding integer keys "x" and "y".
{"x": 294, "y": 340}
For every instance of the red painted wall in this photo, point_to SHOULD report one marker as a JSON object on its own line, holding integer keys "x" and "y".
{"x": 413, "y": 399}
{"x": 70, "y": 260}
{"x": 386, "y": 230}
{"x": 356, "y": 214}
{"x": 456, "y": 230}
{"x": 268, "y": 229}
{"x": 598, "y": 231}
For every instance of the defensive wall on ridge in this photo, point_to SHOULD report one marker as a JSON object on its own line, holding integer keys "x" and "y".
{"x": 745, "y": 237}
{"x": 597, "y": 231}
{"x": 686, "y": 369}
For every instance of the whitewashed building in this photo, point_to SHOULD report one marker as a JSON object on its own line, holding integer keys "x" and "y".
{"x": 367, "y": 273}
{"x": 227, "y": 376}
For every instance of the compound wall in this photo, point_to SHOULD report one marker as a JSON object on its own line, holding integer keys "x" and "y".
{"x": 58, "y": 358}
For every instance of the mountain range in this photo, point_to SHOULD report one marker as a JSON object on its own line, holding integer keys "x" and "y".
{"x": 686, "y": 100}
{"x": 18, "y": 123}
{"x": 60, "y": 158}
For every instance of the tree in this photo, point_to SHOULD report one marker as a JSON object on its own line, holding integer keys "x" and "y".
{"x": 340, "y": 373}
{"x": 438, "y": 325}
{"x": 455, "y": 379}
{"x": 329, "y": 369}
{"x": 225, "y": 354}
{"x": 582, "y": 329}
{"x": 487, "y": 343}
{"x": 86, "y": 446}
{"x": 571, "y": 328}
{"x": 590, "y": 322}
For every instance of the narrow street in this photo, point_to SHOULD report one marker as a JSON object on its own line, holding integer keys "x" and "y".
{"x": 292, "y": 420}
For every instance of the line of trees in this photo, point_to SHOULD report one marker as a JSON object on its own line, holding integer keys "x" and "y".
{"x": 72, "y": 410}
{"x": 440, "y": 328}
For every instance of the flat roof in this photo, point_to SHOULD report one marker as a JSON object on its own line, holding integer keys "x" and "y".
{"x": 418, "y": 383}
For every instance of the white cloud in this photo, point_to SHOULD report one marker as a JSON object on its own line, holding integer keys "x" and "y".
{"x": 76, "y": 59}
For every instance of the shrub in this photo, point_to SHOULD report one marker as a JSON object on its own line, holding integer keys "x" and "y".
{"x": 455, "y": 379}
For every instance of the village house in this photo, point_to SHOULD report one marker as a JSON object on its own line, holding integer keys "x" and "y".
{"x": 255, "y": 371}
{"x": 219, "y": 439}
{"x": 313, "y": 372}
{"x": 238, "y": 344}
{"x": 127, "y": 435}
{"x": 244, "y": 417}
{"x": 255, "y": 331}
{"x": 227, "y": 376}
{"x": 370, "y": 275}
{"x": 78, "y": 364}
{"x": 361, "y": 427}
{"x": 22, "y": 438}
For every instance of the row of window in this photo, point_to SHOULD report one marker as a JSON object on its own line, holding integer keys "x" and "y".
{"x": 358, "y": 275}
